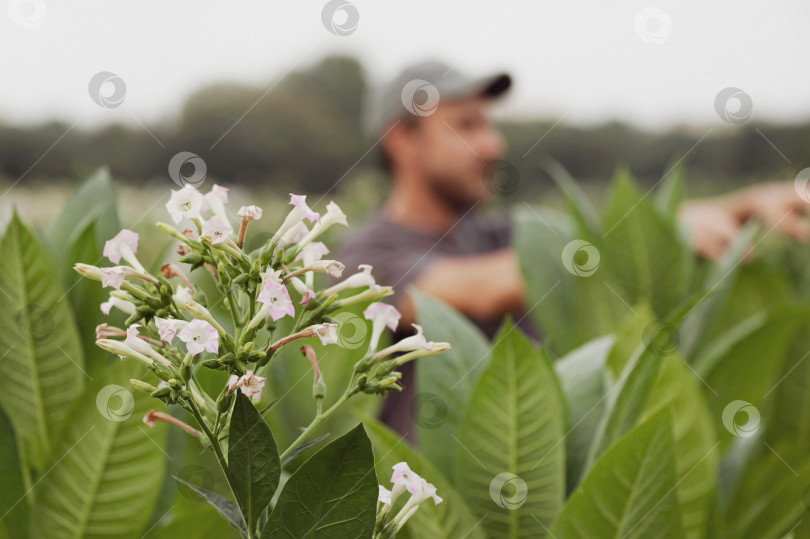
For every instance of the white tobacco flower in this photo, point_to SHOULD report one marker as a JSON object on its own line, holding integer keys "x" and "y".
{"x": 295, "y": 234}
{"x": 123, "y": 245}
{"x": 115, "y": 275}
{"x": 408, "y": 344}
{"x": 362, "y": 278}
{"x": 277, "y": 300}
{"x": 199, "y": 336}
{"x": 305, "y": 291}
{"x": 334, "y": 216}
{"x": 121, "y": 304}
{"x": 122, "y": 350}
{"x": 299, "y": 212}
{"x": 384, "y": 496}
{"x": 249, "y": 384}
{"x": 381, "y": 315}
{"x": 181, "y": 295}
{"x": 327, "y": 333}
{"x": 216, "y": 229}
{"x": 168, "y": 327}
{"x": 142, "y": 347}
{"x": 270, "y": 276}
{"x": 214, "y": 201}
{"x": 186, "y": 202}
{"x": 249, "y": 213}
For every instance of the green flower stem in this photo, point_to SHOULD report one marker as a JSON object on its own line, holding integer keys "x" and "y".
{"x": 223, "y": 463}
{"x": 319, "y": 418}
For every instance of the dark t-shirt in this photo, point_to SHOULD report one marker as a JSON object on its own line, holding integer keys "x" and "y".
{"x": 399, "y": 255}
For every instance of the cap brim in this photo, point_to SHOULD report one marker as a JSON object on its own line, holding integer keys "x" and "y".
{"x": 496, "y": 85}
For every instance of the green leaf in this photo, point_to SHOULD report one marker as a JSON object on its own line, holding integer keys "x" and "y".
{"x": 228, "y": 509}
{"x": 628, "y": 396}
{"x": 333, "y": 494}
{"x": 747, "y": 371}
{"x": 445, "y": 384}
{"x": 13, "y": 496}
{"x": 579, "y": 205}
{"x": 41, "y": 371}
{"x": 696, "y": 454}
{"x": 642, "y": 255}
{"x": 631, "y": 490}
{"x": 451, "y": 518}
{"x": 788, "y": 417}
{"x": 253, "y": 462}
{"x": 773, "y": 495}
{"x": 582, "y": 377}
{"x": 670, "y": 194}
{"x": 94, "y": 202}
{"x": 512, "y": 438}
{"x": 556, "y": 296}
{"x": 108, "y": 468}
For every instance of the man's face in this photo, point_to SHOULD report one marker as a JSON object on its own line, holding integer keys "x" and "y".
{"x": 452, "y": 150}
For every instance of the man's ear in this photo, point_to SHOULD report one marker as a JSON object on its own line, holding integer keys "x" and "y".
{"x": 398, "y": 142}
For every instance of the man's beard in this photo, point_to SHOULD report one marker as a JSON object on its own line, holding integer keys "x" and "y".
{"x": 454, "y": 198}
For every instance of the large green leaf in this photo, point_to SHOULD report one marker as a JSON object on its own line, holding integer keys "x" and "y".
{"x": 643, "y": 257}
{"x": 14, "y": 495}
{"x": 445, "y": 383}
{"x": 788, "y": 417}
{"x": 628, "y": 396}
{"x": 511, "y": 453}
{"x": 696, "y": 454}
{"x": 227, "y": 508}
{"x": 747, "y": 371}
{"x": 333, "y": 494}
{"x": 772, "y": 496}
{"x": 41, "y": 371}
{"x": 253, "y": 462}
{"x": 582, "y": 377}
{"x": 556, "y": 296}
{"x": 451, "y": 518}
{"x": 108, "y": 467}
{"x": 579, "y": 205}
{"x": 94, "y": 202}
{"x": 631, "y": 490}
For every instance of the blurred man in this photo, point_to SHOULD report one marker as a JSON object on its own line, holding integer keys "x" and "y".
{"x": 438, "y": 144}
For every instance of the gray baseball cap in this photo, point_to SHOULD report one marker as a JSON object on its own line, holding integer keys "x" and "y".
{"x": 418, "y": 89}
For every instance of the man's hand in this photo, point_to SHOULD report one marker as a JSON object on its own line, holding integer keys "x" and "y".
{"x": 714, "y": 223}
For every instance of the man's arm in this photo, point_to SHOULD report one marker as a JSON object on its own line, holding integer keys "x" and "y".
{"x": 480, "y": 286}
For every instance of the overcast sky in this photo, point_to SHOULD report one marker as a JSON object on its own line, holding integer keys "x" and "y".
{"x": 654, "y": 64}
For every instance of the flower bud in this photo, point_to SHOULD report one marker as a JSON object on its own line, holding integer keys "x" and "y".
{"x": 86, "y": 270}
{"x": 140, "y": 385}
